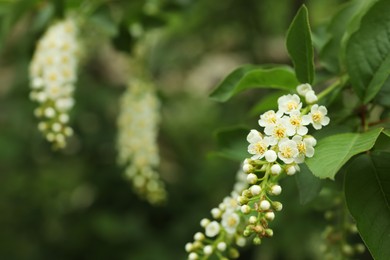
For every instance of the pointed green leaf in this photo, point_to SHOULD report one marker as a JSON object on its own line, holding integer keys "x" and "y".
{"x": 367, "y": 193}
{"x": 368, "y": 52}
{"x": 309, "y": 186}
{"x": 334, "y": 151}
{"x": 330, "y": 52}
{"x": 300, "y": 46}
{"x": 250, "y": 76}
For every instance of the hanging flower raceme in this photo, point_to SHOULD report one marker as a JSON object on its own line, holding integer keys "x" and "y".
{"x": 275, "y": 152}
{"x": 224, "y": 232}
{"x": 53, "y": 73}
{"x": 137, "y": 140}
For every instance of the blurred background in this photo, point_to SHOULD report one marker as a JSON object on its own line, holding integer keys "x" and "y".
{"x": 76, "y": 203}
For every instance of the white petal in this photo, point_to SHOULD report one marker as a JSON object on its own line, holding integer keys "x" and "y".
{"x": 302, "y": 130}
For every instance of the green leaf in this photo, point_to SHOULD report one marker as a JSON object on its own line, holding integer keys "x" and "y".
{"x": 309, "y": 186}
{"x": 330, "y": 52}
{"x": 368, "y": 52}
{"x": 300, "y": 47}
{"x": 250, "y": 76}
{"x": 367, "y": 193}
{"x": 232, "y": 142}
{"x": 334, "y": 151}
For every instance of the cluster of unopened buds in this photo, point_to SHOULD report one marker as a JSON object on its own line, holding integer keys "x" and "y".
{"x": 137, "y": 140}
{"x": 53, "y": 73}
{"x": 275, "y": 153}
{"x": 340, "y": 235}
{"x": 223, "y": 233}
{"x": 284, "y": 144}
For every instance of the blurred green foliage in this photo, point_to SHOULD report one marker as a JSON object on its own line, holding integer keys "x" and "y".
{"x": 76, "y": 204}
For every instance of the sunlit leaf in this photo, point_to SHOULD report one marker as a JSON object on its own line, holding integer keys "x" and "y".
{"x": 332, "y": 152}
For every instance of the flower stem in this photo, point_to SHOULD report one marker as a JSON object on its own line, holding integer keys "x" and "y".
{"x": 340, "y": 82}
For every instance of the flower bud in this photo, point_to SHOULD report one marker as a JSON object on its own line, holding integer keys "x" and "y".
{"x": 291, "y": 170}
{"x": 257, "y": 241}
{"x": 221, "y": 246}
{"x": 276, "y": 190}
{"x": 251, "y": 178}
{"x": 270, "y": 156}
{"x": 216, "y": 213}
{"x": 276, "y": 169}
{"x": 193, "y": 256}
{"x": 265, "y": 205}
{"x": 252, "y": 220}
{"x": 270, "y": 215}
{"x": 245, "y": 209}
{"x": 198, "y": 236}
{"x": 269, "y": 232}
{"x": 208, "y": 250}
{"x": 242, "y": 200}
{"x": 277, "y": 205}
{"x": 247, "y": 168}
{"x": 241, "y": 241}
{"x": 188, "y": 247}
{"x": 255, "y": 190}
{"x": 204, "y": 222}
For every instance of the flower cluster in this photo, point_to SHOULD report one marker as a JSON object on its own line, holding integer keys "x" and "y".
{"x": 53, "y": 73}
{"x": 284, "y": 144}
{"x": 339, "y": 239}
{"x": 224, "y": 231}
{"x": 276, "y": 153}
{"x": 137, "y": 140}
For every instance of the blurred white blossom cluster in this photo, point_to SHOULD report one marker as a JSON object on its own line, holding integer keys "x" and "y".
{"x": 223, "y": 233}
{"x": 137, "y": 140}
{"x": 276, "y": 152}
{"x": 53, "y": 74}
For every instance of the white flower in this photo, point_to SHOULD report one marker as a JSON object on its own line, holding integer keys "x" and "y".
{"x": 296, "y": 121}
{"x": 254, "y": 136}
{"x": 305, "y": 148}
{"x": 52, "y": 70}
{"x": 212, "y": 229}
{"x": 317, "y": 117}
{"x": 303, "y": 89}
{"x": 204, "y": 222}
{"x": 289, "y": 103}
{"x": 269, "y": 118}
{"x": 280, "y": 130}
{"x": 138, "y": 123}
{"x": 230, "y": 221}
{"x": 258, "y": 146}
{"x": 311, "y": 97}
{"x": 287, "y": 150}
